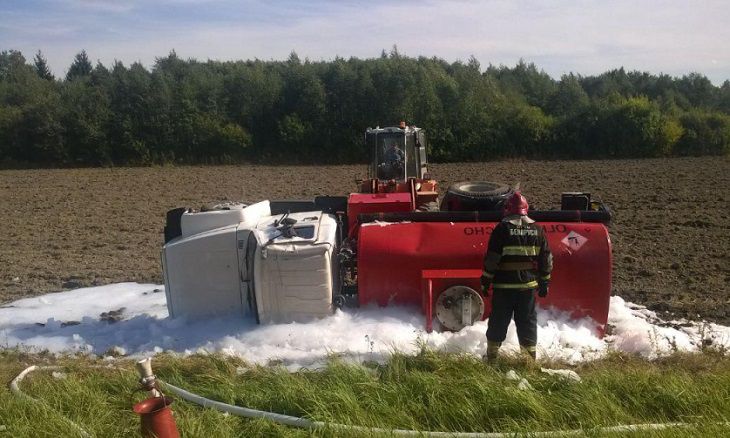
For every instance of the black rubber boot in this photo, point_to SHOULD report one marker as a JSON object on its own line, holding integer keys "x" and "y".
{"x": 530, "y": 350}
{"x": 492, "y": 351}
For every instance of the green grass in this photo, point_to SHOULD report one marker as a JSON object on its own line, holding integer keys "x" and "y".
{"x": 429, "y": 391}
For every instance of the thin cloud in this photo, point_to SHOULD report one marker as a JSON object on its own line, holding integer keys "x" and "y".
{"x": 586, "y": 37}
{"x": 102, "y": 5}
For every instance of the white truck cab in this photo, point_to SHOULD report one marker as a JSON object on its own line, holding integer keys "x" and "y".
{"x": 242, "y": 260}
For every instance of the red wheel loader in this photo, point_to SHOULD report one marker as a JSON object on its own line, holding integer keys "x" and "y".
{"x": 392, "y": 243}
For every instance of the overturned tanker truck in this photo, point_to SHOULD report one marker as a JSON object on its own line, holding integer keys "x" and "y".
{"x": 391, "y": 243}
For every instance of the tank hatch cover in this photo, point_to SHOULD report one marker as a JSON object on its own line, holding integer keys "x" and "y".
{"x": 458, "y": 307}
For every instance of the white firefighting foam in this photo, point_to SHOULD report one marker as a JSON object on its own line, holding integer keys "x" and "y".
{"x": 79, "y": 321}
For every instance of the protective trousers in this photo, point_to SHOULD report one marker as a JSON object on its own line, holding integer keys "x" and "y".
{"x": 521, "y": 304}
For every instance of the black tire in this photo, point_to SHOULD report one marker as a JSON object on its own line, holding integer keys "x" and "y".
{"x": 339, "y": 301}
{"x": 428, "y": 207}
{"x": 479, "y": 189}
{"x": 476, "y": 196}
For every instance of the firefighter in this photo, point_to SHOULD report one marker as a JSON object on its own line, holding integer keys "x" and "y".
{"x": 518, "y": 263}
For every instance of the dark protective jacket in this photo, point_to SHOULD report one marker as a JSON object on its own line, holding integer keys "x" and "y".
{"x": 518, "y": 256}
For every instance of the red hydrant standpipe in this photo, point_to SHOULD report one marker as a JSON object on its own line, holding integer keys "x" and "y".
{"x": 155, "y": 412}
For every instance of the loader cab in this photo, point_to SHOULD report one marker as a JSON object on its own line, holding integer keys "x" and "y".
{"x": 396, "y": 153}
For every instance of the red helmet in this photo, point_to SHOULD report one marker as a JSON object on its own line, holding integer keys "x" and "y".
{"x": 516, "y": 204}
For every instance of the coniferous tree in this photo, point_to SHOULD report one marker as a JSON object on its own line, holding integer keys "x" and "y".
{"x": 11, "y": 62}
{"x": 41, "y": 67}
{"x": 81, "y": 67}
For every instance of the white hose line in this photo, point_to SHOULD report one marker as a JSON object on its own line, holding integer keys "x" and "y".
{"x": 15, "y": 389}
{"x": 309, "y": 424}
{"x": 237, "y": 410}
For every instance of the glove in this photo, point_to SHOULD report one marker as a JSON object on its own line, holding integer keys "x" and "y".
{"x": 485, "y": 290}
{"x": 486, "y": 282}
{"x": 543, "y": 290}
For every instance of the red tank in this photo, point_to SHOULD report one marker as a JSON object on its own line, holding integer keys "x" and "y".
{"x": 398, "y": 261}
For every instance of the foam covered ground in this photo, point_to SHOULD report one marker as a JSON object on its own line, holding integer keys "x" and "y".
{"x": 79, "y": 321}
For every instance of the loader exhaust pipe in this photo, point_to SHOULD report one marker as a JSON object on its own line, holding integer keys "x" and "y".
{"x": 603, "y": 217}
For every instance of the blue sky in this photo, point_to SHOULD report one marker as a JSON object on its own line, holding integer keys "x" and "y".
{"x": 586, "y": 37}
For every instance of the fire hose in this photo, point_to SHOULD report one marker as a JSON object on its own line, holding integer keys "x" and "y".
{"x": 304, "y": 423}
{"x": 15, "y": 389}
{"x": 310, "y": 424}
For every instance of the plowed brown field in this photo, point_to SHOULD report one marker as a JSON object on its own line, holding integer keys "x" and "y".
{"x": 64, "y": 229}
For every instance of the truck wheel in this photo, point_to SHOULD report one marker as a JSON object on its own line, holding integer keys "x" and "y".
{"x": 338, "y": 301}
{"x": 479, "y": 189}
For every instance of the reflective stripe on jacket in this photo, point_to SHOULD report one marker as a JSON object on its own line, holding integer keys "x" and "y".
{"x": 518, "y": 256}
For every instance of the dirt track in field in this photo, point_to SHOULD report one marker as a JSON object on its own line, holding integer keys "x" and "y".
{"x": 65, "y": 229}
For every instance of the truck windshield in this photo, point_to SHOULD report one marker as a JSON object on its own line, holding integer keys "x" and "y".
{"x": 391, "y": 159}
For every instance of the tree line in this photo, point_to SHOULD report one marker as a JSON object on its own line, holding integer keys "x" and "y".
{"x": 294, "y": 111}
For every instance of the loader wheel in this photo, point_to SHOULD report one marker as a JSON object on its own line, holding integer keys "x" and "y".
{"x": 428, "y": 207}
{"x": 476, "y": 196}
